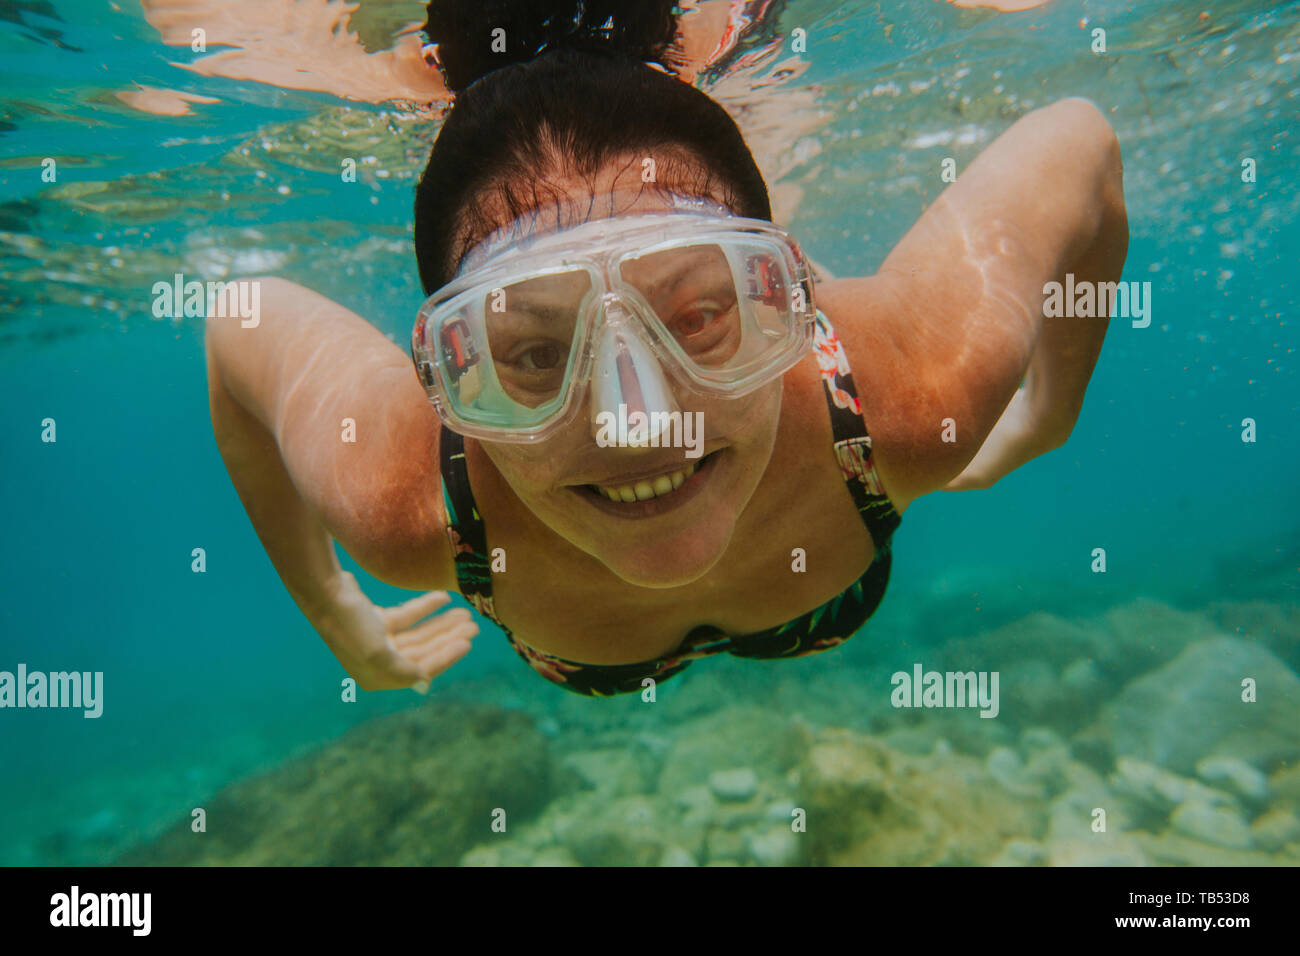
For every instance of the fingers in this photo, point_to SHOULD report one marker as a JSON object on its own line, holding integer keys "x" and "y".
{"x": 437, "y": 657}
{"x": 388, "y": 671}
{"x": 411, "y": 642}
{"x": 420, "y": 654}
{"x": 440, "y": 659}
{"x": 436, "y": 645}
{"x": 396, "y": 670}
{"x": 408, "y": 613}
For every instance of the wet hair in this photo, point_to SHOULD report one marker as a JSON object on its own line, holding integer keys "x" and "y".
{"x": 570, "y": 94}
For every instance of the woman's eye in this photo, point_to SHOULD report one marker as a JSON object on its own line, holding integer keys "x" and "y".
{"x": 540, "y": 358}
{"x": 705, "y": 316}
{"x": 696, "y": 320}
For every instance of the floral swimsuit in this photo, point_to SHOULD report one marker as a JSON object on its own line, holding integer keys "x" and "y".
{"x": 827, "y": 626}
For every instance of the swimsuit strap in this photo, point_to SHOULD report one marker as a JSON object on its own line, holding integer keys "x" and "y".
{"x": 465, "y": 527}
{"x": 852, "y": 442}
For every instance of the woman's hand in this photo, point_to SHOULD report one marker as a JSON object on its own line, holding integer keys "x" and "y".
{"x": 386, "y": 648}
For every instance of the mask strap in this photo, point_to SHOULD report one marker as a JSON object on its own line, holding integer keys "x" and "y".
{"x": 698, "y": 204}
{"x": 521, "y": 229}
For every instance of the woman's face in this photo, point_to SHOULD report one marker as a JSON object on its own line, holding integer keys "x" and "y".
{"x": 699, "y": 491}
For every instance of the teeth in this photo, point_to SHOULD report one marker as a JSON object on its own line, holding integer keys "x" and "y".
{"x": 645, "y": 490}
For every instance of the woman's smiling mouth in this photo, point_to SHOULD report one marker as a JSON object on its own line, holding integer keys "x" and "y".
{"x": 653, "y": 494}
{"x": 648, "y": 488}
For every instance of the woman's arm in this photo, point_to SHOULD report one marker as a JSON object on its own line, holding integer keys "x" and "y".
{"x": 942, "y": 336}
{"x": 293, "y": 535}
{"x": 326, "y": 434}
{"x": 1043, "y": 411}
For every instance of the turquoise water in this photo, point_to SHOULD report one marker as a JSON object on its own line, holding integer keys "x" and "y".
{"x": 212, "y": 678}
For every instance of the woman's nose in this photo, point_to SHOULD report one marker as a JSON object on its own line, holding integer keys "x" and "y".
{"x": 628, "y": 379}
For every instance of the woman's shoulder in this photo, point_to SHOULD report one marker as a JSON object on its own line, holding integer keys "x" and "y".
{"x": 899, "y": 386}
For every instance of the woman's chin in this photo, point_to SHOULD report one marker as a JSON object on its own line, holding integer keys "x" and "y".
{"x": 665, "y": 565}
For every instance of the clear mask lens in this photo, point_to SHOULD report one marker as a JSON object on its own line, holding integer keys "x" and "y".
{"x": 723, "y": 306}
{"x": 532, "y": 327}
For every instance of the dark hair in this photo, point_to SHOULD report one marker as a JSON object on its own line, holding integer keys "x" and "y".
{"x": 570, "y": 94}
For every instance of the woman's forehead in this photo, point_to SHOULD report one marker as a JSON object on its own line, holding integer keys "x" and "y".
{"x": 631, "y": 183}
{"x": 568, "y": 204}
{"x": 578, "y": 204}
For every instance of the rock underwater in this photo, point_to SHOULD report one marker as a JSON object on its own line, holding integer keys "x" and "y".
{"x": 415, "y": 788}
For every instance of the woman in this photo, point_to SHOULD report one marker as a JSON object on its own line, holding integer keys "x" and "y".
{"x": 592, "y": 233}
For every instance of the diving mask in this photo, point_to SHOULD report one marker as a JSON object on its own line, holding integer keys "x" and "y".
{"x": 633, "y": 306}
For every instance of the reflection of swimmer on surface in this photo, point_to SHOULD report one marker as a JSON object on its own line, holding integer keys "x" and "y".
{"x": 562, "y": 285}
{"x": 297, "y": 45}
{"x": 313, "y": 45}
